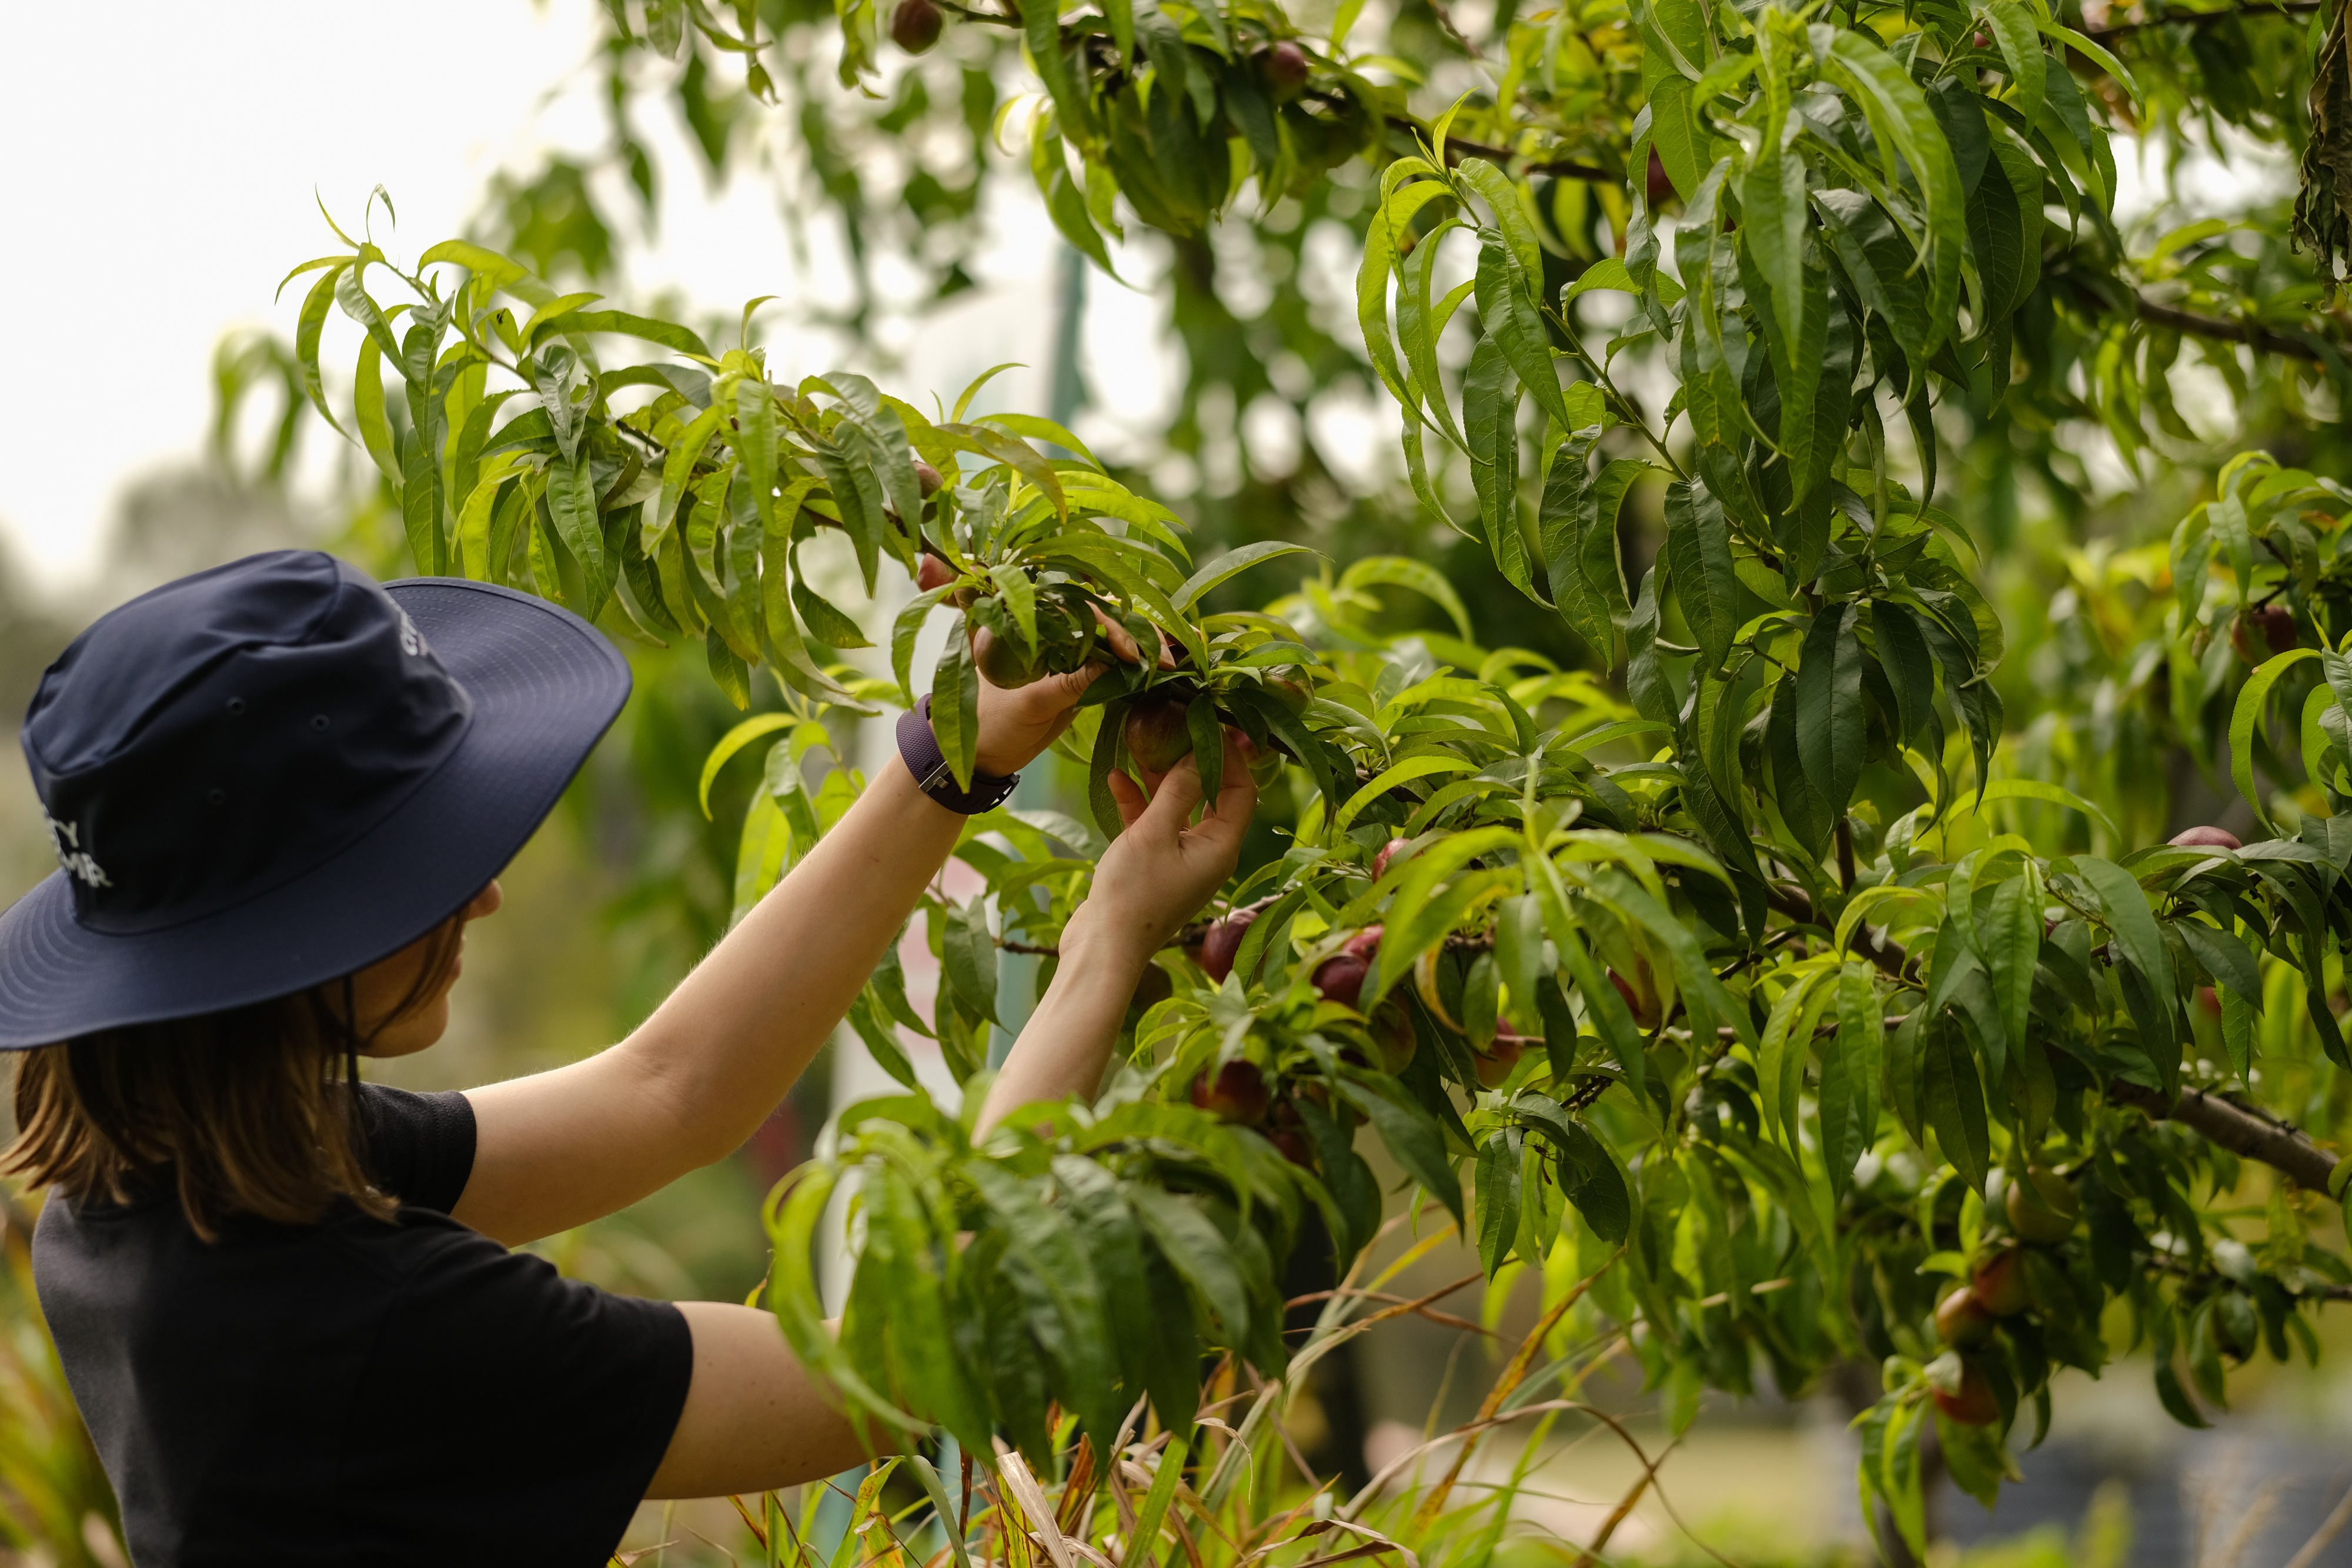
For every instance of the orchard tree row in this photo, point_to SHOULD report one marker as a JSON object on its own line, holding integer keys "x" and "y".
{"x": 1754, "y": 983}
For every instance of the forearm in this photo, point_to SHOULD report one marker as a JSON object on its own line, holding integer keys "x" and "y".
{"x": 1067, "y": 1043}
{"x": 741, "y": 1030}
{"x": 700, "y": 1075}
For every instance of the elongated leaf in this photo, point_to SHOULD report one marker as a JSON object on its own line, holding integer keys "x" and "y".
{"x": 955, "y": 705}
{"x": 1829, "y": 714}
{"x": 1499, "y": 1196}
{"x": 2248, "y": 715}
{"x": 1188, "y": 1240}
{"x": 1232, "y": 564}
{"x": 1698, "y": 556}
{"x": 1416, "y": 1141}
{"x": 2009, "y": 934}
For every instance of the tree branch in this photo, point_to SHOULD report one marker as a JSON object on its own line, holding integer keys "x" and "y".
{"x": 2261, "y": 338}
{"x": 1456, "y": 148}
{"x": 2244, "y": 1131}
{"x": 2240, "y": 1129}
{"x": 1890, "y": 957}
{"x": 2200, "y": 18}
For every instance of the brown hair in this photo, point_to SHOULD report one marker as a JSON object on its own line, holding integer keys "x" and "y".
{"x": 241, "y": 1111}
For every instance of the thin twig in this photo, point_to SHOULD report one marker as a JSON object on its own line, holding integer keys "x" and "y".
{"x": 2262, "y": 339}
{"x": 1513, "y": 1373}
{"x": 2200, "y": 18}
{"x": 2322, "y": 1538}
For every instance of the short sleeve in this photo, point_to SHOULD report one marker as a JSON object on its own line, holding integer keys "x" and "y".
{"x": 507, "y": 1405}
{"x": 420, "y": 1148}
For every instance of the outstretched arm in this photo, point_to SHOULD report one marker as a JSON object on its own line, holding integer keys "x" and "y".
{"x": 563, "y": 1147}
{"x": 1156, "y": 876}
{"x": 755, "y": 1418}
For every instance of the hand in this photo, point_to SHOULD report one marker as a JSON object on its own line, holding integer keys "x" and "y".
{"x": 1017, "y": 724}
{"x": 1160, "y": 873}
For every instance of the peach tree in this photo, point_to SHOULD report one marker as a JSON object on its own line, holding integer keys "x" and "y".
{"x": 1765, "y": 987}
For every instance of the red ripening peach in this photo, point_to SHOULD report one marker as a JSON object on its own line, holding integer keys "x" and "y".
{"x": 1391, "y": 1030}
{"x": 1494, "y": 1064}
{"x": 915, "y": 26}
{"x": 2260, "y": 634}
{"x": 1222, "y": 942}
{"x": 2206, "y": 838}
{"x": 1389, "y": 853}
{"x": 933, "y": 572}
{"x": 926, "y": 479}
{"x": 1285, "y": 69}
{"x": 1645, "y": 1010}
{"x": 1293, "y": 1145}
{"x": 1239, "y": 1094}
{"x": 1007, "y": 666}
{"x": 1974, "y": 1404}
{"x": 1341, "y": 979}
{"x": 1157, "y": 736}
{"x": 1365, "y": 943}
{"x": 1961, "y": 1320}
{"x": 2000, "y": 1284}
{"x": 2043, "y": 1207}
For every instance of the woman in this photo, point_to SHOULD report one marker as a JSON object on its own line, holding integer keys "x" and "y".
{"x": 279, "y": 793}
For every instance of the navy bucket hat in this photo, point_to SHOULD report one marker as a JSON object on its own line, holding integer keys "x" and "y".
{"x": 279, "y": 772}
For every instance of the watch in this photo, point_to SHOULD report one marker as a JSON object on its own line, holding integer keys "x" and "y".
{"x": 919, "y": 747}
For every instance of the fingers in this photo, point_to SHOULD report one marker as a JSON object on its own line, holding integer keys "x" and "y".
{"x": 1123, "y": 644}
{"x": 1236, "y": 801}
{"x": 1130, "y": 798}
{"x": 1065, "y": 690}
{"x": 1172, "y": 801}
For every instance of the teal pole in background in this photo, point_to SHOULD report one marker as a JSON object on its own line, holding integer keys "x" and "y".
{"x": 1016, "y": 973}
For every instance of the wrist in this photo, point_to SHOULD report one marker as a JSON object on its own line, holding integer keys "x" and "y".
{"x": 1096, "y": 939}
{"x": 919, "y": 750}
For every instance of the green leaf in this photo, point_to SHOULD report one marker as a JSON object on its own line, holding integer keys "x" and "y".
{"x": 733, "y": 741}
{"x": 1910, "y": 668}
{"x": 1190, "y": 1240}
{"x": 2224, "y": 956}
{"x": 2130, "y": 918}
{"x": 955, "y": 704}
{"x": 1232, "y": 564}
{"x": 1851, "y": 1072}
{"x": 1414, "y": 1138}
{"x": 1953, "y": 1099}
{"x": 1203, "y": 723}
{"x": 669, "y": 334}
{"x": 1772, "y": 229}
{"x": 1698, "y": 558}
{"x": 2248, "y": 714}
{"x": 1829, "y": 714}
{"x": 1901, "y": 121}
{"x": 2009, "y": 936}
{"x": 903, "y": 630}
{"x": 2021, "y": 49}
{"x": 1506, "y": 308}
{"x": 1490, "y": 408}
{"x": 967, "y": 955}
{"x": 1499, "y": 1196}
{"x": 1404, "y": 572}
{"x": 571, "y": 502}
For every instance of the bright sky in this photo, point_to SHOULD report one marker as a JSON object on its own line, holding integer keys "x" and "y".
{"x": 161, "y": 209}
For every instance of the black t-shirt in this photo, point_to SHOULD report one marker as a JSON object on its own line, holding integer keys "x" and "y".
{"x": 357, "y": 1392}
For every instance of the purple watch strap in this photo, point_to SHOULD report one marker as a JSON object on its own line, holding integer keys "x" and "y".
{"x": 919, "y": 747}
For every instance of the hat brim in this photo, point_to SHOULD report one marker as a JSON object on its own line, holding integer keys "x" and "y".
{"x": 545, "y": 686}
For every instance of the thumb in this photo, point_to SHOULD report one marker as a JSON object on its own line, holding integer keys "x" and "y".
{"x": 1065, "y": 690}
{"x": 1178, "y": 793}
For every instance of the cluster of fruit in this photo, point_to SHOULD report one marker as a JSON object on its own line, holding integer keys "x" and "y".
{"x": 2041, "y": 1210}
{"x": 1239, "y": 1091}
